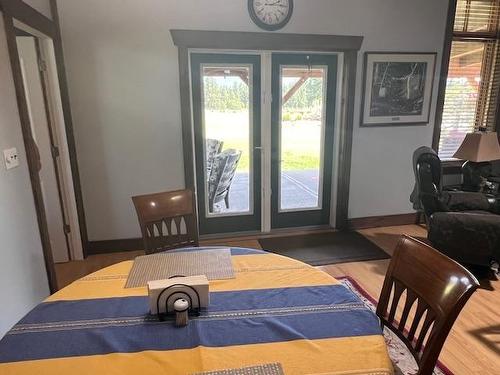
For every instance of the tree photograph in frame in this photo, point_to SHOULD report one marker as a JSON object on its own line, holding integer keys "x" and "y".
{"x": 397, "y": 88}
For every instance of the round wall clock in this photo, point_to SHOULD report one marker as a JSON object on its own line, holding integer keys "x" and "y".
{"x": 270, "y": 14}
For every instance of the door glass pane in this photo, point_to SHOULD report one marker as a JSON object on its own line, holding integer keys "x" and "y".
{"x": 227, "y": 93}
{"x": 302, "y": 132}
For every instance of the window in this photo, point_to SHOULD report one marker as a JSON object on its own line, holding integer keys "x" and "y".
{"x": 473, "y": 82}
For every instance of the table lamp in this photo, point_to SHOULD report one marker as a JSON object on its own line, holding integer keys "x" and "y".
{"x": 478, "y": 149}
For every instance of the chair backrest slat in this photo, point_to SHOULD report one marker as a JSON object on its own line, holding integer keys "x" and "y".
{"x": 398, "y": 291}
{"x": 429, "y": 320}
{"x": 161, "y": 218}
{"x": 410, "y": 300}
{"x": 419, "y": 313}
{"x": 436, "y": 288}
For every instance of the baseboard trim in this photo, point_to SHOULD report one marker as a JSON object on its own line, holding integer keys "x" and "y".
{"x": 254, "y": 235}
{"x": 134, "y": 244}
{"x": 383, "y": 221}
{"x": 114, "y": 246}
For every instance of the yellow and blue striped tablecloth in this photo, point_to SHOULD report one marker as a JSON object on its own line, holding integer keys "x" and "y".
{"x": 276, "y": 309}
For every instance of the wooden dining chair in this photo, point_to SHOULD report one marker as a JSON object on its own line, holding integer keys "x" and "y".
{"x": 168, "y": 220}
{"x": 436, "y": 289}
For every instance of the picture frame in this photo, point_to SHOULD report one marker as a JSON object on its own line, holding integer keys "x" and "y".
{"x": 397, "y": 88}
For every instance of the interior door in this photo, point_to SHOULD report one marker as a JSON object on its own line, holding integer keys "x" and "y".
{"x": 38, "y": 116}
{"x": 226, "y": 95}
{"x": 303, "y": 115}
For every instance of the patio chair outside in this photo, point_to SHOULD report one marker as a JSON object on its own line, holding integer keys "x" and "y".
{"x": 213, "y": 148}
{"x": 221, "y": 176}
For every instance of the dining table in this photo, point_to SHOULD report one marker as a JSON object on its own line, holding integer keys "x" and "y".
{"x": 276, "y": 316}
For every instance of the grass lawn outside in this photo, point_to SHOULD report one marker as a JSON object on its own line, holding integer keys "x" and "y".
{"x": 300, "y": 139}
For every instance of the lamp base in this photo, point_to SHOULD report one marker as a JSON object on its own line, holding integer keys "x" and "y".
{"x": 476, "y": 175}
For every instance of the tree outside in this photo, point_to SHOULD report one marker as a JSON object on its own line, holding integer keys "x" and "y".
{"x": 227, "y": 119}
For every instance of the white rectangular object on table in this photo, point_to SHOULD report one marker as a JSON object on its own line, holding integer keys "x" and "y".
{"x": 195, "y": 289}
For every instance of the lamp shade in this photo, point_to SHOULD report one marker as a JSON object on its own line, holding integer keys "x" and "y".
{"x": 479, "y": 147}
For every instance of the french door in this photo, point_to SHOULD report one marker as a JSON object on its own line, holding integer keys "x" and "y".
{"x": 302, "y": 128}
{"x": 226, "y": 92}
{"x": 227, "y": 97}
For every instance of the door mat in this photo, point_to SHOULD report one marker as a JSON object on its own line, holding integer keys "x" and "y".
{"x": 319, "y": 249}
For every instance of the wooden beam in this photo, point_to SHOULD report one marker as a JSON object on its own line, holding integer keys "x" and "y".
{"x": 244, "y": 78}
{"x": 298, "y": 72}
{"x": 265, "y": 41}
{"x": 225, "y": 72}
{"x": 288, "y": 72}
{"x": 295, "y": 88}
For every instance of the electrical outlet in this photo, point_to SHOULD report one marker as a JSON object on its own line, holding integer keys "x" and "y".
{"x": 11, "y": 158}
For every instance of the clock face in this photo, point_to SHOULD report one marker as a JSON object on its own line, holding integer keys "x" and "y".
{"x": 271, "y": 14}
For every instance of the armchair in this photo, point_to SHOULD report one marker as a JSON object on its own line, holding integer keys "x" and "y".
{"x": 213, "y": 147}
{"x": 221, "y": 177}
{"x": 463, "y": 225}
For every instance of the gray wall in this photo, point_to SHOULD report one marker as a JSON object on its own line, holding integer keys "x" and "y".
{"x": 123, "y": 82}
{"x": 23, "y": 279}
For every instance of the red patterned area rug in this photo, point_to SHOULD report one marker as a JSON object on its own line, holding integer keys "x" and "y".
{"x": 403, "y": 361}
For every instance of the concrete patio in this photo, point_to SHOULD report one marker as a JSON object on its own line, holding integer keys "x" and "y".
{"x": 299, "y": 188}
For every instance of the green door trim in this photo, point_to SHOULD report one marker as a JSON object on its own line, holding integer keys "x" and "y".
{"x": 288, "y": 219}
{"x": 229, "y": 223}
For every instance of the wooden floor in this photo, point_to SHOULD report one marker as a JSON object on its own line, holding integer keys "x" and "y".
{"x": 473, "y": 346}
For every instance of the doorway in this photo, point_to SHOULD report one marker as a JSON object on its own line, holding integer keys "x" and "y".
{"x": 302, "y": 129}
{"x": 47, "y": 138}
{"x": 229, "y": 102}
{"x": 264, "y": 45}
{"x": 226, "y": 92}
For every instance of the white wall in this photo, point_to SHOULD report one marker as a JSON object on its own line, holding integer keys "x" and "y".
{"x": 43, "y": 6}
{"x": 23, "y": 279}
{"x": 123, "y": 81}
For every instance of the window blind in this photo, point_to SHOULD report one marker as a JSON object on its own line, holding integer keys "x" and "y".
{"x": 476, "y": 16}
{"x": 473, "y": 82}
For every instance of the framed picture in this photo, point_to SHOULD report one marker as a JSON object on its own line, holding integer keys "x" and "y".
{"x": 397, "y": 88}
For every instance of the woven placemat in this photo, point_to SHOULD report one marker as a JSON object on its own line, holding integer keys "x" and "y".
{"x": 266, "y": 369}
{"x": 215, "y": 264}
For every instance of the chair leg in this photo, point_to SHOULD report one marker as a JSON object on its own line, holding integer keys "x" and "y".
{"x": 226, "y": 200}
{"x": 494, "y": 267}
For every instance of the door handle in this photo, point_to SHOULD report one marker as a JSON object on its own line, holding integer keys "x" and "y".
{"x": 258, "y": 148}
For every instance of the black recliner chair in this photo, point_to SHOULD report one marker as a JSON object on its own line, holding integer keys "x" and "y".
{"x": 463, "y": 225}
